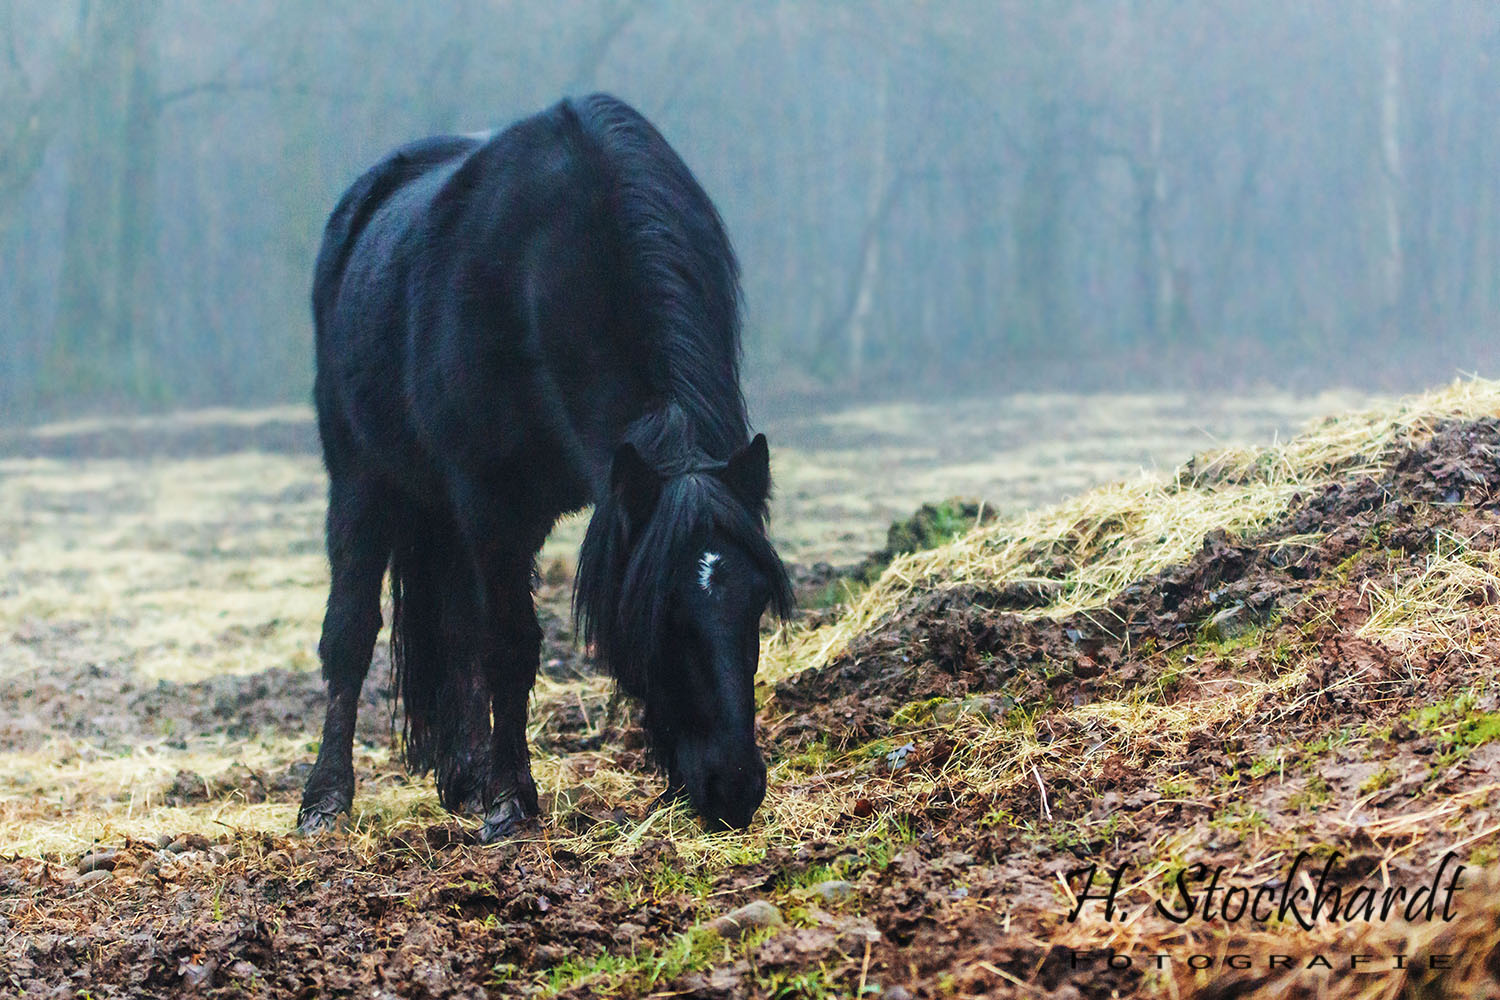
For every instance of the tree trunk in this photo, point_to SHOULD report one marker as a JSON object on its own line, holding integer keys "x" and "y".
{"x": 869, "y": 264}
{"x": 110, "y": 210}
{"x": 137, "y": 194}
{"x": 1393, "y": 262}
{"x": 1039, "y": 240}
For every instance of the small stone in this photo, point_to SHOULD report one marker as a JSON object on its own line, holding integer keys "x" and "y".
{"x": 984, "y": 707}
{"x": 752, "y": 916}
{"x": 895, "y": 993}
{"x": 853, "y": 937}
{"x": 981, "y": 707}
{"x": 628, "y": 932}
{"x": 833, "y": 892}
{"x": 1231, "y": 623}
{"x": 545, "y": 955}
{"x": 93, "y": 878}
{"x": 97, "y": 861}
{"x": 196, "y": 975}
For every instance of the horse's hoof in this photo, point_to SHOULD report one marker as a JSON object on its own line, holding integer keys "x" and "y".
{"x": 315, "y": 821}
{"x": 503, "y": 819}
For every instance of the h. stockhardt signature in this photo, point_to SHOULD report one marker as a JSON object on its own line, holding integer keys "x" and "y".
{"x": 1300, "y": 895}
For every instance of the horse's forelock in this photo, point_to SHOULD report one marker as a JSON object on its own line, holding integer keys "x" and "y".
{"x": 626, "y": 619}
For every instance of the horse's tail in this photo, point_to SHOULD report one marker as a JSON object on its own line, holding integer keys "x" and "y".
{"x": 445, "y": 701}
{"x": 417, "y": 650}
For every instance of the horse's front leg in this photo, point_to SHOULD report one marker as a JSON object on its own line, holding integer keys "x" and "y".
{"x": 510, "y": 661}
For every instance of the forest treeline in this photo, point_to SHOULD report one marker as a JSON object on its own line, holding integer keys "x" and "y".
{"x": 988, "y": 192}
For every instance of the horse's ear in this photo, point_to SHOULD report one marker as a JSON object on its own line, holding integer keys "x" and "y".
{"x": 748, "y": 473}
{"x": 636, "y": 484}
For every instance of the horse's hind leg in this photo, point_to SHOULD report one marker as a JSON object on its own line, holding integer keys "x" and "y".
{"x": 359, "y": 547}
{"x": 513, "y": 642}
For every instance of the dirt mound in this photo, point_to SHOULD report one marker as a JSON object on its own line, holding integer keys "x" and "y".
{"x": 968, "y": 640}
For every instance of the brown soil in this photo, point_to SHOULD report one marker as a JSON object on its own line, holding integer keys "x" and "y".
{"x": 966, "y": 902}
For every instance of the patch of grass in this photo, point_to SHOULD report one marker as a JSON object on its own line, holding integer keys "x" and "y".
{"x": 669, "y": 880}
{"x": 1179, "y": 788}
{"x": 813, "y": 758}
{"x": 1329, "y": 741}
{"x": 1241, "y": 818}
{"x": 1311, "y": 796}
{"x": 1267, "y": 764}
{"x": 816, "y": 983}
{"x": 1457, "y": 724}
{"x": 694, "y": 950}
{"x": 1383, "y": 778}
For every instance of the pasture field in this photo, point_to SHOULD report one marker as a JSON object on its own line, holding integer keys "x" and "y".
{"x": 1260, "y": 652}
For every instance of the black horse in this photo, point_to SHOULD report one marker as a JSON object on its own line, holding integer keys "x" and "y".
{"x": 511, "y": 327}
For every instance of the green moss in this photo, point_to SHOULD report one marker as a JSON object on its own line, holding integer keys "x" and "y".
{"x": 916, "y": 712}
{"x": 1311, "y": 796}
{"x": 931, "y": 525}
{"x": 1323, "y": 744}
{"x": 1269, "y": 764}
{"x": 813, "y": 758}
{"x": 1241, "y": 818}
{"x": 1477, "y": 730}
{"x": 1457, "y": 724}
{"x": 1178, "y": 788}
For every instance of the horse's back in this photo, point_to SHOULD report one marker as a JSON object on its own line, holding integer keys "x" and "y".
{"x": 359, "y": 288}
{"x": 503, "y": 306}
{"x": 367, "y": 196}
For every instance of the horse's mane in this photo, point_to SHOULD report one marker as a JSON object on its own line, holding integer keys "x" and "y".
{"x": 682, "y": 270}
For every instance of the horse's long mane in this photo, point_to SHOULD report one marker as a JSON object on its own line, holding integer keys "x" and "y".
{"x": 681, "y": 271}
{"x": 683, "y": 274}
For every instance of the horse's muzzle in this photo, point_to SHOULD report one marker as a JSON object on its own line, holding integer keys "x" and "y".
{"x": 725, "y": 782}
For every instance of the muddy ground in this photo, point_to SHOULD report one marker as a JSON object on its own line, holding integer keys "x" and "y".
{"x": 1232, "y": 710}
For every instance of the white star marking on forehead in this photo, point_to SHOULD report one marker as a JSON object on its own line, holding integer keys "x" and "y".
{"x": 706, "y": 570}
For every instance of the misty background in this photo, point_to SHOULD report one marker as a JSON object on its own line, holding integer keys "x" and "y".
{"x": 926, "y": 197}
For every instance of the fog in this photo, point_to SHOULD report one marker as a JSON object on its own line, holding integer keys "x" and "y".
{"x": 927, "y": 198}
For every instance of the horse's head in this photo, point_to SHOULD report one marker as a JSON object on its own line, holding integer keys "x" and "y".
{"x": 699, "y": 575}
